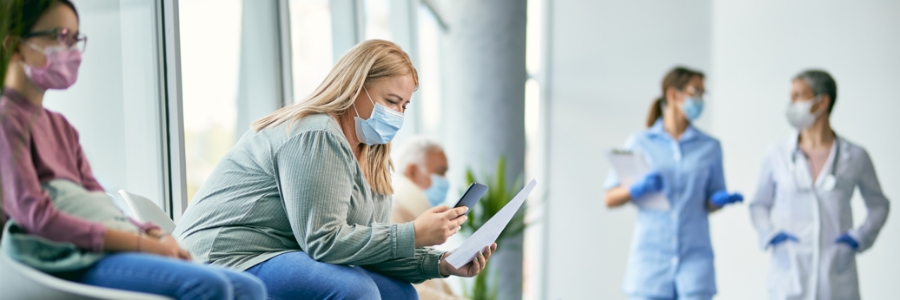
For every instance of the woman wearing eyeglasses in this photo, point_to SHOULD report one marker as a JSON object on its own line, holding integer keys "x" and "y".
{"x": 671, "y": 254}
{"x": 802, "y": 204}
{"x": 61, "y": 221}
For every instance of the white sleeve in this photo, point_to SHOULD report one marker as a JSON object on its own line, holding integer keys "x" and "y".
{"x": 761, "y": 204}
{"x": 876, "y": 204}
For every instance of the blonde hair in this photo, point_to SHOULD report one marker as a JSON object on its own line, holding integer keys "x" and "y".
{"x": 369, "y": 60}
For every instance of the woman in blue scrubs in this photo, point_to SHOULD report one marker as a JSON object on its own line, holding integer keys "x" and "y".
{"x": 671, "y": 256}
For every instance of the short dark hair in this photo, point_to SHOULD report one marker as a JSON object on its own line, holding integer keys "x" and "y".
{"x": 17, "y": 17}
{"x": 821, "y": 83}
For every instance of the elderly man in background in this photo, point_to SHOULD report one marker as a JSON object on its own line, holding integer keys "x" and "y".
{"x": 419, "y": 184}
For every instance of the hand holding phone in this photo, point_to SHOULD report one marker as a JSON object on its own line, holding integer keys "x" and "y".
{"x": 437, "y": 224}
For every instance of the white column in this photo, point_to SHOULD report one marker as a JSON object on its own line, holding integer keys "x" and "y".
{"x": 484, "y": 76}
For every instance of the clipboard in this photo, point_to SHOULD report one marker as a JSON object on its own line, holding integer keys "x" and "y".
{"x": 631, "y": 166}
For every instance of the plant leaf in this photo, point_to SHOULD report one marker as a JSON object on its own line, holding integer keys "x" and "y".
{"x": 500, "y": 193}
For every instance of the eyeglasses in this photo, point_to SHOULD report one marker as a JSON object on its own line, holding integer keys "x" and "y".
{"x": 63, "y": 36}
{"x": 694, "y": 92}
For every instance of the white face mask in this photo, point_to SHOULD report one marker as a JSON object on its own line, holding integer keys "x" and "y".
{"x": 798, "y": 113}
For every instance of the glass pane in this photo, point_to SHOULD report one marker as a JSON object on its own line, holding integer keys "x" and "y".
{"x": 429, "y": 72}
{"x": 311, "y": 45}
{"x": 533, "y": 265}
{"x": 378, "y": 25}
{"x": 117, "y": 102}
{"x": 210, "y": 32}
{"x": 533, "y": 37}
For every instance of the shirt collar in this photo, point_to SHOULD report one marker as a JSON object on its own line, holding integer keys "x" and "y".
{"x": 794, "y": 143}
{"x": 658, "y": 129}
{"x": 18, "y": 99}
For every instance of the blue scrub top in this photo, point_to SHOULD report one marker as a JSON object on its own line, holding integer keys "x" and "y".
{"x": 671, "y": 249}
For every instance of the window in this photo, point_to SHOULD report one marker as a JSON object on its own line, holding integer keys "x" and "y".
{"x": 377, "y": 19}
{"x": 429, "y": 94}
{"x": 311, "y": 45}
{"x": 116, "y": 104}
{"x": 533, "y": 262}
{"x": 231, "y": 76}
{"x": 210, "y": 32}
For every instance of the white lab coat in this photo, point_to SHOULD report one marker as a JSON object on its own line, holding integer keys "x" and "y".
{"x": 815, "y": 267}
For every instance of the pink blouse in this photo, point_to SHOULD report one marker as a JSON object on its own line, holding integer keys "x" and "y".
{"x": 43, "y": 146}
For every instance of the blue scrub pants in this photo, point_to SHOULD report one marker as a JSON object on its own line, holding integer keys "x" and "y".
{"x": 153, "y": 274}
{"x": 295, "y": 275}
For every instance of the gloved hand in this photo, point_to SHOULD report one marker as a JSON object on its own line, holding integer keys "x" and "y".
{"x": 722, "y": 198}
{"x": 847, "y": 239}
{"x": 781, "y": 237}
{"x": 651, "y": 183}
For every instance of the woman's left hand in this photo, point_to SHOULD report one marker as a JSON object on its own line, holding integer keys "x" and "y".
{"x": 472, "y": 268}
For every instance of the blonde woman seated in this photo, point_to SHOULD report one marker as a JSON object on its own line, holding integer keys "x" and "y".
{"x": 304, "y": 198}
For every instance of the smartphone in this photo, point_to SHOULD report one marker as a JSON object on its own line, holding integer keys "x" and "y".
{"x": 471, "y": 196}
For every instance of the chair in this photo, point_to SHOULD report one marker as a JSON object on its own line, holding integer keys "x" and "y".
{"x": 145, "y": 210}
{"x": 18, "y": 281}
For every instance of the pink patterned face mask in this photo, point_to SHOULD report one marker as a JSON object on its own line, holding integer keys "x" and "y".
{"x": 61, "y": 70}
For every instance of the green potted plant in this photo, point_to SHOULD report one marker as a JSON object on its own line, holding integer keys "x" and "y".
{"x": 499, "y": 193}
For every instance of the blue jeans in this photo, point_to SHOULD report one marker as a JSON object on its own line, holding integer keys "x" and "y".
{"x": 153, "y": 274}
{"x": 295, "y": 275}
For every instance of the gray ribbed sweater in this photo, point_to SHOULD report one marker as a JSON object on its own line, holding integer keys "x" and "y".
{"x": 299, "y": 189}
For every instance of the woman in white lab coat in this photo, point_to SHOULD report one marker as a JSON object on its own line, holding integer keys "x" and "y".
{"x": 802, "y": 204}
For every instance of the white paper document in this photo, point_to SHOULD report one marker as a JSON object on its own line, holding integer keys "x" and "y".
{"x": 490, "y": 231}
{"x": 631, "y": 167}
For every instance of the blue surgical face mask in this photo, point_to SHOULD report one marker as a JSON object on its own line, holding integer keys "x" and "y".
{"x": 692, "y": 107}
{"x": 381, "y": 127}
{"x": 437, "y": 192}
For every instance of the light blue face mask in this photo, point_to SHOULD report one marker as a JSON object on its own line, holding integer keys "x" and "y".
{"x": 381, "y": 127}
{"x": 437, "y": 192}
{"x": 692, "y": 107}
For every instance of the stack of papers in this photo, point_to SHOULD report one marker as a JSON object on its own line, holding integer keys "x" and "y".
{"x": 490, "y": 231}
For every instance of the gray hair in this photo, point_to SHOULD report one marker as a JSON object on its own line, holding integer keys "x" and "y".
{"x": 413, "y": 151}
{"x": 821, "y": 83}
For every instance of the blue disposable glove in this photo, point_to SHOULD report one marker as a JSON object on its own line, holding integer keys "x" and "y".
{"x": 722, "y": 198}
{"x": 781, "y": 237}
{"x": 847, "y": 239}
{"x": 651, "y": 183}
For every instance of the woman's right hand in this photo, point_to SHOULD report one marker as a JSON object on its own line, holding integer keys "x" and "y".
{"x": 437, "y": 224}
{"x": 651, "y": 183}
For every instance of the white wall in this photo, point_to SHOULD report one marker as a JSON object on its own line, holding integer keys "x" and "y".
{"x": 758, "y": 47}
{"x": 607, "y": 60}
